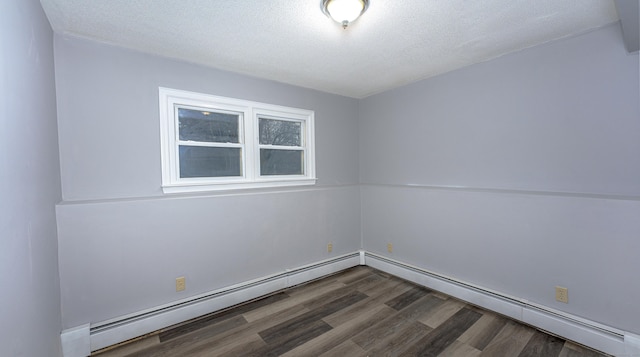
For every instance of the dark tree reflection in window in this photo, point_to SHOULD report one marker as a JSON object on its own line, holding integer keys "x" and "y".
{"x": 213, "y": 127}
{"x": 281, "y": 161}
{"x": 280, "y": 132}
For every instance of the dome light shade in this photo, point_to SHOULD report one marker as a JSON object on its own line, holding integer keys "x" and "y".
{"x": 344, "y": 11}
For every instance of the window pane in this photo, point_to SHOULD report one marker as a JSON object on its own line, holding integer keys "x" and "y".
{"x": 197, "y": 161}
{"x": 281, "y": 162}
{"x": 280, "y": 132}
{"x": 197, "y": 125}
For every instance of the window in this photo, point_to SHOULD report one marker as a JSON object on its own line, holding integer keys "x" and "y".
{"x": 217, "y": 143}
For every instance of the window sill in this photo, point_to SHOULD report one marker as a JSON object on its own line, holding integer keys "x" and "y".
{"x": 200, "y": 187}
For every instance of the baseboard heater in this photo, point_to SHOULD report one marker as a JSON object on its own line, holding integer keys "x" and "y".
{"x": 586, "y": 332}
{"x": 120, "y": 329}
{"x": 163, "y": 310}
{"x": 80, "y": 341}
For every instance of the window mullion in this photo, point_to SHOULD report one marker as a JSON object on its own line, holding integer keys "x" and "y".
{"x": 250, "y": 144}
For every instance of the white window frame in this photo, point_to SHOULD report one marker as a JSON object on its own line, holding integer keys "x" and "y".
{"x": 249, "y": 115}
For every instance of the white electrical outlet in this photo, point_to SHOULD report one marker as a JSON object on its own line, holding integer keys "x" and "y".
{"x": 389, "y": 247}
{"x": 330, "y": 247}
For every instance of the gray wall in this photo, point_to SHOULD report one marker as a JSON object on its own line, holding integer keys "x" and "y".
{"x": 517, "y": 174}
{"x": 123, "y": 243}
{"x": 29, "y": 184}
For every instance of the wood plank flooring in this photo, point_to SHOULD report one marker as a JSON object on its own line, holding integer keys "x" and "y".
{"x": 357, "y": 312}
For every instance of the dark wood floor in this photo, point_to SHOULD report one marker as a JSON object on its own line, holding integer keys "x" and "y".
{"x": 358, "y": 312}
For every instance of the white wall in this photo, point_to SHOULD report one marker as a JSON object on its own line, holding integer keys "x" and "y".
{"x": 517, "y": 174}
{"x": 123, "y": 243}
{"x": 30, "y": 321}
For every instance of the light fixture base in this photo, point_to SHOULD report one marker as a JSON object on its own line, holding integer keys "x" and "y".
{"x": 345, "y": 13}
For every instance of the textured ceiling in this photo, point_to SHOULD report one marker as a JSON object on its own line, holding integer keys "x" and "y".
{"x": 395, "y": 42}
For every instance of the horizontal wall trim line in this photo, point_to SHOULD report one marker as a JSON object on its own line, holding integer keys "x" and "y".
{"x": 109, "y": 324}
{"x": 209, "y": 194}
{"x": 521, "y": 302}
{"x": 601, "y": 196}
{"x": 267, "y": 191}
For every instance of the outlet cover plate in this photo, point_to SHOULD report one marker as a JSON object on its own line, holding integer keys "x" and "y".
{"x": 181, "y": 283}
{"x": 562, "y": 294}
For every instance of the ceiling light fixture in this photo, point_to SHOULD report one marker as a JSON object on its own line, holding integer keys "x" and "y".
{"x": 344, "y": 11}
